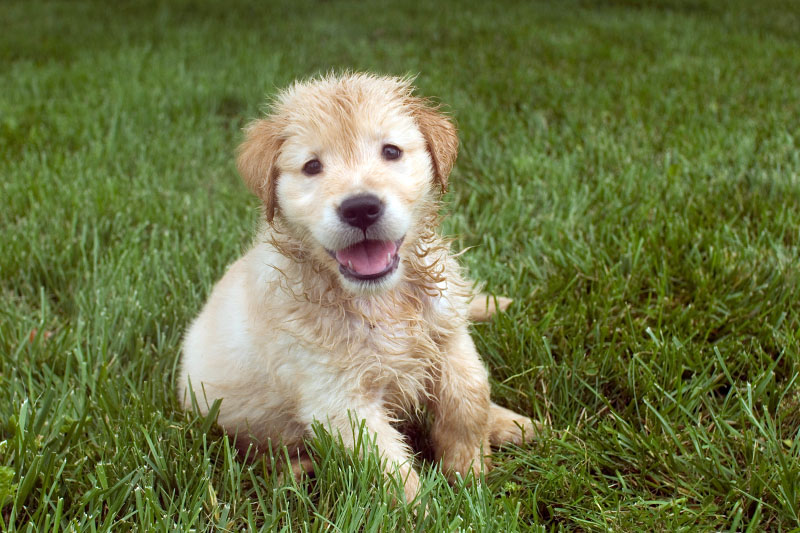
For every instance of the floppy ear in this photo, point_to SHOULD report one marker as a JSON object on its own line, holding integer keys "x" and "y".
{"x": 441, "y": 138}
{"x": 257, "y": 162}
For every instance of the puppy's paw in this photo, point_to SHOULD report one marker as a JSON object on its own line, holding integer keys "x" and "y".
{"x": 297, "y": 467}
{"x": 411, "y": 485}
{"x": 483, "y": 307}
{"x": 508, "y": 427}
{"x": 463, "y": 460}
{"x": 408, "y": 480}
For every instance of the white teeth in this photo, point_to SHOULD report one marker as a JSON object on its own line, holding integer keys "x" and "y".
{"x": 388, "y": 257}
{"x": 350, "y": 265}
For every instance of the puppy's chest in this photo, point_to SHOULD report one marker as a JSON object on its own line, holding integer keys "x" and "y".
{"x": 397, "y": 354}
{"x": 398, "y": 342}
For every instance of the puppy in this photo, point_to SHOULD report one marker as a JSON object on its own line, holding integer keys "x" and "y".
{"x": 349, "y": 307}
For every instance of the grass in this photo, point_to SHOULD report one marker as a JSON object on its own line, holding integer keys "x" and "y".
{"x": 629, "y": 173}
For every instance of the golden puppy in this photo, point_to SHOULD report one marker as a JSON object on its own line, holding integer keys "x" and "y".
{"x": 349, "y": 304}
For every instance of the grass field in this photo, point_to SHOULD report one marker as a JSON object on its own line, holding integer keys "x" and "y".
{"x": 629, "y": 173}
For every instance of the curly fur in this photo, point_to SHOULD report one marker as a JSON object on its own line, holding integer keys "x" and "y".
{"x": 286, "y": 339}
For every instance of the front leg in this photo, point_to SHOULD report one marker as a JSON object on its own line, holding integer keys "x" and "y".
{"x": 388, "y": 440}
{"x": 460, "y": 405}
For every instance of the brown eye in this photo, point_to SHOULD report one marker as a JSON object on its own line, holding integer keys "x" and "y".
{"x": 312, "y": 167}
{"x": 391, "y": 152}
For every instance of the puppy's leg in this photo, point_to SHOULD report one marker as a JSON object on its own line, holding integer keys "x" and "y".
{"x": 506, "y": 426}
{"x": 483, "y": 307}
{"x": 298, "y": 464}
{"x": 388, "y": 440}
{"x": 460, "y": 405}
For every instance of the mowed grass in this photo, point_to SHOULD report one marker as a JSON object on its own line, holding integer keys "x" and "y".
{"x": 629, "y": 174}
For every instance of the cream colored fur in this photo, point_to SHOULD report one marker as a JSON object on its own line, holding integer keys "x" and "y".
{"x": 286, "y": 339}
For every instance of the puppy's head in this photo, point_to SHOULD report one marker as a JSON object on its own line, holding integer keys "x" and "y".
{"x": 351, "y": 165}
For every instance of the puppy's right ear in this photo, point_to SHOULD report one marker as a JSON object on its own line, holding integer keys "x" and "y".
{"x": 256, "y": 161}
{"x": 440, "y": 136}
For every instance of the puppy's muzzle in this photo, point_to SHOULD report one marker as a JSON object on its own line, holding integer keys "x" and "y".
{"x": 370, "y": 259}
{"x": 361, "y": 211}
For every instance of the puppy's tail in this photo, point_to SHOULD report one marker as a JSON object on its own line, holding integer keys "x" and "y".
{"x": 484, "y": 306}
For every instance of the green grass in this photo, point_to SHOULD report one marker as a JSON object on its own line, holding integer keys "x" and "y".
{"x": 629, "y": 173}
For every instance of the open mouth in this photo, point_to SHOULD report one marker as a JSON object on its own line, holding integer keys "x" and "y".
{"x": 368, "y": 260}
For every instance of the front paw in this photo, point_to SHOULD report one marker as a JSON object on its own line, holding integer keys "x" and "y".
{"x": 408, "y": 479}
{"x": 411, "y": 485}
{"x": 460, "y": 460}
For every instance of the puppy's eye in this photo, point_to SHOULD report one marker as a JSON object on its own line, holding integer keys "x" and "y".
{"x": 312, "y": 167}
{"x": 391, "y": 152}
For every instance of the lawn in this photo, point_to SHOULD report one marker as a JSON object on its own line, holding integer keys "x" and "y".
{"x": 629, "y": 174}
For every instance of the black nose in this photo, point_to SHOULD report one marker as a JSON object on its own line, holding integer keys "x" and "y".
{"x": 361, "y": 211}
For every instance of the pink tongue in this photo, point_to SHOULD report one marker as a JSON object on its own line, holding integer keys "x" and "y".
{"x": 367, "y": 257}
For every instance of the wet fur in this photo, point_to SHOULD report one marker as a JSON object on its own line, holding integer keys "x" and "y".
{"x": 284, "y": 340}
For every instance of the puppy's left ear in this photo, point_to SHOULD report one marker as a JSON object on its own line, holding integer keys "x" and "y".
{"x": 257, "y": 162}
{"x": 441, "y": 138}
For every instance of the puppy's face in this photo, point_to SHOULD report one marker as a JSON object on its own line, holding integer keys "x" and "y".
{"x": 351, "y": 165}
